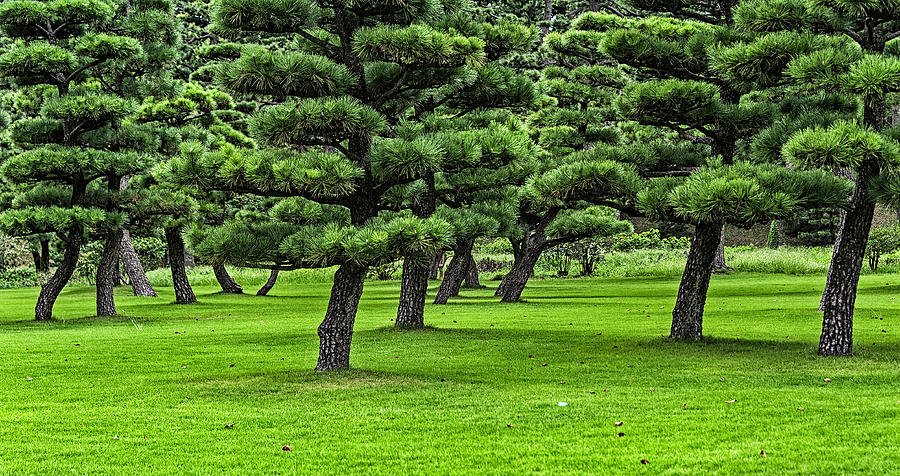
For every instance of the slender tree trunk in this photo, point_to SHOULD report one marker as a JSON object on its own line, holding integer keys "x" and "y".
{"x": 413, "y": 291}
{"x": 36, "y": 256}
{"x": 514, "y": 282}
{"x": 43, "y": 310}
{"x": 839, "y": 297}
{"x": 472, "y": 280}
{"x": 226, "y": 281}
{"x": 184, "y": 294}
{"x": 336, "y": 330}
{"x": 264, "y": 290}
{"x": 721, "y": 264}
{"x": 42, "y": 257}
{"x": 436, "y": 267}
{"x": 140, "y": 285}
{"x": 107, "y": 272}
{"x": 687, "y": 316}
{"x": 456, "y": 271}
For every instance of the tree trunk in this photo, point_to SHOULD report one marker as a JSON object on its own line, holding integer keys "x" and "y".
{"x": 721, "y": 264}
{"x": 514, "y": 282}
{"x": 413, "y": 291}
{"x": 140, "y": 285}
{"x": 436, "y": 267}
{"x": 43, "y": 310}
{"x": 225, "y": 280}
{"x": 175, "y": 249}
{"x": 456, "y": 271}
{"x": 264, "y": 290}
{"x": 107, "y": 273}
{"x": 839, "y": 297}
{"x": 42, "y": 257}
{"x": 336, "y": 330}
{"x": 687, "y": 316}
{"x": 472, "y": 274}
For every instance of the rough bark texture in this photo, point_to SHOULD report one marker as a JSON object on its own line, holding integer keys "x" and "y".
{"x": 184, "y": 294}
{"x": 226, "y": 281}
{"x": 436, "y": 267}
{"x": 839, "y": 297}
{"x": 107, "y": 273}
{"x": 43, "y": 310}
{"x": 472, "y": 274}
{"x": 456, "y": 272}
{"x": 687, "y": 316}
{"x": 413, "y": 290}
{"x": 336, "y": 330}
{"x": 140, "y": 285}
{"x": 721, "y": 264}
{"x": 264, "y": 290}
{"x": 514, "y": 282}
{"x": 42, "y": 257}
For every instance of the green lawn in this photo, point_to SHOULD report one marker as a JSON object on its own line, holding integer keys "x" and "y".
{"x": 154, "y": 390}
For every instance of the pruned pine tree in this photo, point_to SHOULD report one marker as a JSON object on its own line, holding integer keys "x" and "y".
{"x": 839, "y": 48}
{"x": 742, "y": 194}
{"x": 98, "y": 55}
{"x": 339, "y": 96}
{"x": 484, "y": 147}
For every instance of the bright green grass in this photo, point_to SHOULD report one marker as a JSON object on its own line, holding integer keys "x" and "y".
{"x": 441, "y": 401}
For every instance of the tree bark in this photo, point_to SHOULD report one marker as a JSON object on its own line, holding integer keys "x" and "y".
{"x": 839, "y": 297}
{"x": 264, "y": 290}
{"x": 687, "y": 316}
{"x": 225, "y": 280}
{"x": 721, "y": 264}
{"x": 140, "y": 285}
{"x": 436, "y": 267}
{"x": 184, "y": 294}
{"x": 514, "y": 282}
{"x": 42, "y": 257}
{"x": 336, "y": 330}
{"x": 413, "y": 291}
{"x": 43, "y": 310}
{"x": 456, "y": 271}
{"x": 107, "y": 273}
{"x": 472, "y": 280}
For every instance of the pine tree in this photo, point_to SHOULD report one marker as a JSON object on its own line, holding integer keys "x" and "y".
{"x": 97, "y": 55}
{"x": 340, "y": 135}
{"x": 847, "y": 55}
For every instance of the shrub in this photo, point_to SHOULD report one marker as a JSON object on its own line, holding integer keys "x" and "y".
{"x": 151, "y": 251}
{"x": 13, "y": 253}
{"x": 650, "y": 239}
{"x": 882, "y": 241}
{"x": 20, "y": 277}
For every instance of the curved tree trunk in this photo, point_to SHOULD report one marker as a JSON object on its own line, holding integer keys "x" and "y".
{"x": 721, "y": 264}
{"x": 413, "y": 291}
{"x": 226, "y": 281}
{"x": 472, "y": 274}
{"x": 839, "y": 297}
{"x": 336, "y": 330}
{"x": 140, "y": 285}
{"x": 514, "y": 282}
{"x": 175, "y": 249}
{"x": 43, "y": 310}
{"x": 687, "y": 316}
{"x": 264, "y": 290}
{"x": 456, "y": 271}
{"x": 107, "y": 273}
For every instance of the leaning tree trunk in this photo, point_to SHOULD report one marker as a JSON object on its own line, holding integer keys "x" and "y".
{"x": 264, "y": 290}
{"x": 514, "y": 282}
{"x": 336, "y": 330}
{"x": 839, "y": 297}
{"x": 456, "y": 271}
{"x": 43, "y": 310}
{"x": 225, "y": 280}
{"x": 107, "y": 273}
{"x": 687, "y": 316}
{"x": 472, "y": 274}
{"x": 175, "y": 249}
{"x": 140, "y": 285}
{"x": 413, "y": 290}
{"x": 42, "y": 257}
{"x": 721, "y": 264}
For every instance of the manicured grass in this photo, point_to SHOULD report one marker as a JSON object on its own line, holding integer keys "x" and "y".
{"x": 153, "y": 391}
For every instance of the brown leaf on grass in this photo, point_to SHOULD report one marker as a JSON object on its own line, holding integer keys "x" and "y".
{"x": 232, "y": 365}
{"x": 510, "y": 426}
{"x": 828, "y": 380}
{"x": 683, "y": 405}
{"x": 621, "y": 435}
{"x": 800, "y": 409}
{"x": 643, "y": 461}
{"x": 29, "y": 379}
{"x": 762, "y": 453}
{"x": 605, "y": 389}
{"x": 530, "y": 356}
{"x": 286, "y": 448}
{"x": 618, "y": 423}
{"x": 543, "y": 365}
{"x": 229, "y": 425}
{"x": 730, "y": 401}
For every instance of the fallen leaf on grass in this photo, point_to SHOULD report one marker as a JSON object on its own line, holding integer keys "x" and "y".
{"x": 29, "y": 379}
{"x": 286, "y": 448}
{"x": 509, "y": 426}
{"x": 618, "y": 423}
{"x": 800, "y": 409}
{"x": 828, "y": 380}
{"x": 730, "y": 401}
{"x": 232, "y": 365}
{"x": 229, "y": 425}
{"x": 643, "y": 461}
{"x": 621, "y": 435}
{"x": 762, "y": 453}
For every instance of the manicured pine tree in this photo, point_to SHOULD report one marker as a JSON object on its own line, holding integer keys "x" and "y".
{"x": 332, "y": 137}
{"x": 851, "y": 59}
{"x": 96, "y": 54}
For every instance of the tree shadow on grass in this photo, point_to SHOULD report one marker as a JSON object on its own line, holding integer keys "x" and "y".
{"x": 301, "y": 381}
